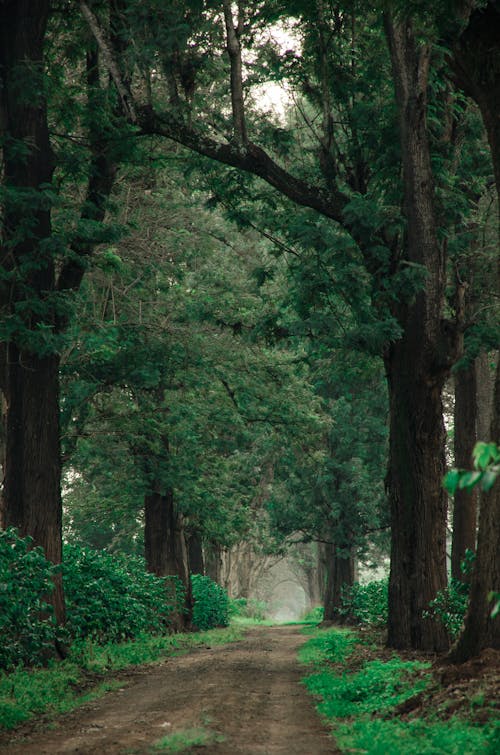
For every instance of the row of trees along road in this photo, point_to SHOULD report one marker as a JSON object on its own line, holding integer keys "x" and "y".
{"x": 377, "y": 180}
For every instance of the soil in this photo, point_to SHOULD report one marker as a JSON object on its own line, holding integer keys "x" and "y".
{"x": 247, "y": 694}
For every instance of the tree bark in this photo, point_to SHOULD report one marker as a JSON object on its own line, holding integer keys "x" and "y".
{"x": 165, "y": 546}
{"x": 195, "y": 552}
{"x": 417, "y": 365}
{"x": 30, "y": 382}
{"x": 340, "y": 575}
{"x": 213, "y": 562}
{"x": 476, "y": 62}
{"x": 481, "y": 630}
{"x": 465, "y": 504}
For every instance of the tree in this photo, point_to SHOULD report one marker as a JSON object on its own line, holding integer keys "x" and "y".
{"x": 406, "y": 267}
{"x": 40, "y": 268}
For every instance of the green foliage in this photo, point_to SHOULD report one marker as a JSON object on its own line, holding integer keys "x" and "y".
{"x": 327, "y": 645}
{"x": 244, "y": 608}
{"x": 211, "y": 603}
{"x": 354, "y": 701}
{"x": 377, "y": 687}
{"x": 367, "y": 604}
{"x": 314, "y": 616}
{"x": 486, "y": 470}
{"x": 27, "y": 626}
{"x": 450, "y": 605}
{"x": 418, "y": 737}
{"x": 111, "y": 598}
{"x": 180, "y": 741}
{"x": 25, "y": 694}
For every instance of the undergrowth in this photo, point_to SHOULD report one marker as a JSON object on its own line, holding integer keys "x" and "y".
{"x": 65, "y": 685}
{"x": 359, "y": 703}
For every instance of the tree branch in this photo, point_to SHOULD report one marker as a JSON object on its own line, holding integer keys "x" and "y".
{"x": 109, "y": 61}
{"x": 234, "y": 51}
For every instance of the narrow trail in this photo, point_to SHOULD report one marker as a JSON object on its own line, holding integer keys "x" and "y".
{"x": 249, "y": 692}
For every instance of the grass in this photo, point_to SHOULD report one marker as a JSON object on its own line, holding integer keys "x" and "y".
{"x": 358, "y": 703}
{"x": 63, "y": 686}
{"x": 184, "y": 740}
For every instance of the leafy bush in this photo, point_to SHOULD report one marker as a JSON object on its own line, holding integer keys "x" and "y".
{"x": 315, "y": 615}
{"x": 211, "y": 603}
{"x": 111, "y": 598}
{"x": 367, "y": 604}
{"x": 27, "y": 626}
{"x": 449, "y": 606}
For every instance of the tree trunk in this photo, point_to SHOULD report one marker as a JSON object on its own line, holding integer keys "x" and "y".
{"x": 213, "y": 562}
{"x": 465, "y": 504}
{"x": 165, "y": 545}
{"x": 30, "y": 383}
{"x": 340, "y": 575}
{"x": 476, "y": 61}
{"x": 195, "y": 552}
{"x": 416, "y": 367}
{"x": 481, "y": 629}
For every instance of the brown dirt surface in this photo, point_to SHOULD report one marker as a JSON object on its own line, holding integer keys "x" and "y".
{"x": 247, "y": 694}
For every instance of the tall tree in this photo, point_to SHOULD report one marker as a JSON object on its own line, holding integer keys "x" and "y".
{"x": 40, "y": 268}
{"x": 418, "y": 361}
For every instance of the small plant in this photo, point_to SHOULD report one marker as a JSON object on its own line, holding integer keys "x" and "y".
{"x": 184, "y": 740}
{"x": 314, "y": 616}
{"x": 449, "y": 606}
{"x": 211, "y": 603}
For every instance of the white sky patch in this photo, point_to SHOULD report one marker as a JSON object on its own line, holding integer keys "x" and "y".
{"x": 271, "y": 96}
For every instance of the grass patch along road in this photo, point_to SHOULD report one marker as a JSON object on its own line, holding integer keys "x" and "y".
{"x": 379, "y": 703}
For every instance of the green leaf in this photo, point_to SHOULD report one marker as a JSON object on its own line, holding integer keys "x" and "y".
{"x": 469, "y": 479}
{"x": 488, "y": 480}
{"x": 451, "y": 480}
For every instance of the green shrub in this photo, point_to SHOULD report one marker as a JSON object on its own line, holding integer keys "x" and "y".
{"x": 27, "y": 627}
{"x": 366, "y": 604}
{"x": 211, "y": 603}
{"x": 112, "y": 598}
{"x": 314, "y": 616}
{"x": 449, "y": 606}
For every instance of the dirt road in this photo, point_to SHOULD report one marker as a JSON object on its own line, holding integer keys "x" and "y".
{"x": 247, "y": 695}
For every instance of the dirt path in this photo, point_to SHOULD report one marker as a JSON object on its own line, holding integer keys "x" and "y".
{"x": 248, "y": 692}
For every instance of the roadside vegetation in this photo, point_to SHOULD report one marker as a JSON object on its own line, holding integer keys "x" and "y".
{"x": 118, "y": 615}
{"x": 381, "y": 702}
{"x": 384, "y": 703}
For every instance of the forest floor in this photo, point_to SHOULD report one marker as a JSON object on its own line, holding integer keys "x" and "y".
{"x": 244, "y": 698}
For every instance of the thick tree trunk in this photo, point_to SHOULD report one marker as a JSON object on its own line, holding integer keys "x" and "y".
{"x": 165, "y": 545}
{"x": 476, "y": 61}
{"x": 31, "y": 495}
{"x": 195, "y": 553}
{"x": 481, "y": 629}
{"x": 465, "y": 504}
{"x": 416, "y": 367}
{"x": 340, "y": 575}
{"x": 213, "y": 562}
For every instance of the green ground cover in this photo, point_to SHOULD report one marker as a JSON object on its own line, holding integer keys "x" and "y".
{"x": 359, "y": 696}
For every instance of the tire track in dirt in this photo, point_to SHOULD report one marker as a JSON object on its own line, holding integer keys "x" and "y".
{"x": 249, "y": 692}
